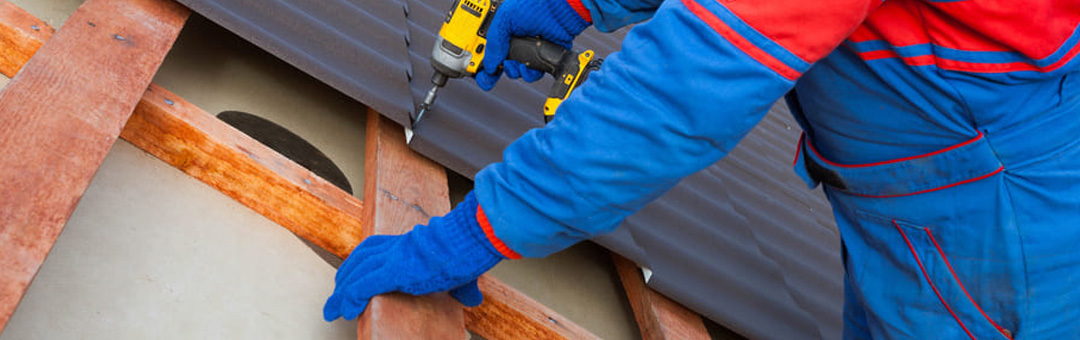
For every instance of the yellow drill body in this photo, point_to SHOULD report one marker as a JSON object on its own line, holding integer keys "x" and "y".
{"x": 460, "y": 46}
{"x": 463, "y": 26}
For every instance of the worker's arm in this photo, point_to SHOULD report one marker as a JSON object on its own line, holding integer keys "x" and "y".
{"x": 686, "y": 87}
{"x": 609, "y": 15}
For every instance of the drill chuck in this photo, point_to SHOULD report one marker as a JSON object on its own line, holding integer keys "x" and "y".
{"x": 438, "y": 80}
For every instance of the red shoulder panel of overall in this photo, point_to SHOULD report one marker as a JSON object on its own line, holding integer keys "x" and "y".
{"x": 809, "y": 29}
{"x": 1042, "y": 34}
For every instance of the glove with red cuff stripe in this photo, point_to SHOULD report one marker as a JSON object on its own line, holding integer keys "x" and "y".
{"x": 449, "y": 253}
{"x": 558, "y": 21}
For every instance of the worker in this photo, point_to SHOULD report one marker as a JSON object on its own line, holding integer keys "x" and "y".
{"x": 946, "y": 134}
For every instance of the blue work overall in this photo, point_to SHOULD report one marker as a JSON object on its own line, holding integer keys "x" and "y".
{"x": 946, "y": 134}
{"x": 979, "y": 239}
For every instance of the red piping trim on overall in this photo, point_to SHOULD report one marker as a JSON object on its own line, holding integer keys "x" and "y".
{"x": 938, "y": 188}
{"x": 581, "y": 10}
{"x": 974, "y": 67}
{"x": 932, "y": 286}
{"x": 947, "y": 264}
{"x": 482, "y": 219}
{"x": 740, "y": 42}
{"x": 954, "y": 147}
{"x": 798, "y": 149}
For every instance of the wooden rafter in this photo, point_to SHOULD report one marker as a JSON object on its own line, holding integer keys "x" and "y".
{"x": 60, "y": 116}
{"x": 21, "y": 35}
{"x": 658, "y": 317}
{"x": 197, "y": 143}
{"x": 510, "y": 314}
{"x": 403, "y": 189}
{"x": 204, "y": 147}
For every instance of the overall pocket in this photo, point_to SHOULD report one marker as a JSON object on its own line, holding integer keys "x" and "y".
{"x": 912, "y": 284}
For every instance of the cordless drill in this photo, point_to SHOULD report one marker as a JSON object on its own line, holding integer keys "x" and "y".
{"x": 459, "y": 50}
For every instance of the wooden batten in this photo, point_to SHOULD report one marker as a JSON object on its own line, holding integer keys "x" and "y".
{"x": 21, "y": 35}
{"x": 403, "y": 189}
{"x": 510, "y": 314}
{"x": 658, "y": 317}
{"x": 195, "y": 142}
{"x": 258, "y": 177}
{"x": 61, "y": 114}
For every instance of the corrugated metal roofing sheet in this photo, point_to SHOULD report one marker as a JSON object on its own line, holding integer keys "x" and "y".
{"x": 742, "y": 242}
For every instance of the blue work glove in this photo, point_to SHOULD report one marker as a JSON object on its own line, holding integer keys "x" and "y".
{"x": 552, "y": 20}
{"x": 449, "y": 253}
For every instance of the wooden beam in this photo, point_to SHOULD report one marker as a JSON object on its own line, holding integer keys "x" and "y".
{"x": 21, "y": 35}
{"x": 509, "y": 314}
{"x": 60, "y": 115}
{"x": 258, "y": 177}
{"x": 402, "y": 189}
{"x": 658, "y": 317}
{"x": 184, "y": 136}
{"x": 197, "y": 143}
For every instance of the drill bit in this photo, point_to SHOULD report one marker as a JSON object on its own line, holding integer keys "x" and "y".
{"x": 429, "y": 99}
{"x": 438, "y": 80}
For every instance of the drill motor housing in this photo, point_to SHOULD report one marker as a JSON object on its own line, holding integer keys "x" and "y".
{"x": 460, "y": 45}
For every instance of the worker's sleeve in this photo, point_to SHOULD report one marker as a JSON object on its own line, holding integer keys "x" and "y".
{"x": 687, "y": 86}
{"x": 610, "y": 15}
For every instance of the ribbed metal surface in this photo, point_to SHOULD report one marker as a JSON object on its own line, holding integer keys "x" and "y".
{"x": 742, "y": 242}
{"x": 358, "y": 47}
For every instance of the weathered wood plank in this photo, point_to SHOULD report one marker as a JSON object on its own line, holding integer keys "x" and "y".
{"x": 506, "y": 312}
{"x": 402, "y": 189}
{"x": 60, "y": 115}
{"x": 206, "y": 148}
{"x": 509, "y": 314}
{"x": 658, "y": 317}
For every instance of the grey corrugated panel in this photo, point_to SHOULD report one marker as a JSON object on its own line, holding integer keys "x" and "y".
{"x": 742, "y": 242}
{"x": 357, "y": 48}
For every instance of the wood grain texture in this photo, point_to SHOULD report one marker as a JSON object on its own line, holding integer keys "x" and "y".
{"x": 60, "y": 115}
{"x": 509, "y": 314}
{"x": 21, "y": 35}
{"x": 206, "y": 148}
{"x": 658, "y": 317}
{"x": 402, "y": 189}
{"x": 190, "y": 139}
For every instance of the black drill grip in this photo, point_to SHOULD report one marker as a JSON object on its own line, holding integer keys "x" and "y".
{"x": 540, "y": 55}
{"x": 551, "y": 58}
